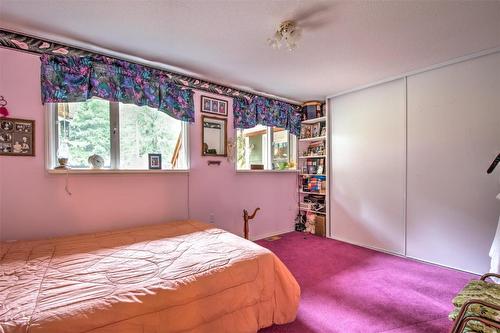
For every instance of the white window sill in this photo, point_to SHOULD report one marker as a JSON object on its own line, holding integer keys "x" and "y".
{"x": 112, "y": 171}
{"x": 267, "y": 171}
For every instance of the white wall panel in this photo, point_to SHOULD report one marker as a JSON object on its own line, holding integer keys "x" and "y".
{"x": 368, "y": 167}
{"x": 453, "y": 134}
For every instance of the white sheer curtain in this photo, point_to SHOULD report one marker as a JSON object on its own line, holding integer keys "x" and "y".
{"x": 495, "y": 248}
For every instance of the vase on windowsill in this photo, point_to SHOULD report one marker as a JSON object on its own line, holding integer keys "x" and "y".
{"x": 62, "y": 156}
{"x": 63, "y": 163}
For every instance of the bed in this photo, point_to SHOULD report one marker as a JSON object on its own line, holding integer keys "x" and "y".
{"x": 181, "y": 276}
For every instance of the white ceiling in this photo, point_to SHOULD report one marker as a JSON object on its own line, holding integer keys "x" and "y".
{"x": 345, "y": 44}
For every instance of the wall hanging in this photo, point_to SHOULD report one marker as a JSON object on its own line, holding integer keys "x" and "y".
{"x": 17, "y": 137}
{"x": 3, "y": 107}
{"x": 214, "y": 106}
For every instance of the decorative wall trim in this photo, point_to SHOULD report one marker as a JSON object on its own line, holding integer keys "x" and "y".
{"x": 401, "y": 255}
{"x": 37, "y": 45}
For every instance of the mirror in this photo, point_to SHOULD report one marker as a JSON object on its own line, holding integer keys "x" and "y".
{"x": 213, "y": 136}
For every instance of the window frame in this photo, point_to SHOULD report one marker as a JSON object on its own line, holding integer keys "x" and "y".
{"x": 51, "y": 142}
{"x": 268, "y": 167}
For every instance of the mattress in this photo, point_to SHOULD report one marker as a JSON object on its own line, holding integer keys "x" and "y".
{"x": 176, "y": 277}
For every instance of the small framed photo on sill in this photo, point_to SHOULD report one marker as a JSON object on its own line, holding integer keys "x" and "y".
{"x": 154, "y": 161}
{"x": 213, "y": 106}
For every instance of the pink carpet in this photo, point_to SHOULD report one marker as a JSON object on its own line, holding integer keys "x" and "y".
{"x": 346, "y": 288}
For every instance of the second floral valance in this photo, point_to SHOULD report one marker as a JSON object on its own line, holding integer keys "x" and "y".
{"x": 266, "y": 111}
{"x": 77, "y": 79}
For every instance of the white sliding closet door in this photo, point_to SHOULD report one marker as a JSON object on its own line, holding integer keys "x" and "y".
{"x": 368, "y": 167}
{"x": 453, "y": 135}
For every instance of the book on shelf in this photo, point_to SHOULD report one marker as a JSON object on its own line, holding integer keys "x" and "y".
{"x": 321, "y": 166}
{"x": 311, "y": 166}
{"x": 314, "y": 166}
{"x": 316, "y": 183}
{"x": 315, "y": 148}
{"x": 310, "y": 131}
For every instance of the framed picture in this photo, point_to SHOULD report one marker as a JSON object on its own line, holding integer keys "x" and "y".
{"x": 17, "y": 137}
{"x": 154, "y": 161}
{"x": 305, "y": 131}
{"x": 316, "y": 130}
{"x": 213, "y": 106}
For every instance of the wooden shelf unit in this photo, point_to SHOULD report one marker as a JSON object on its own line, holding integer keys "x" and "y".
{"x": 316, "y": 138}
{"x": 315, "y": 193}
{"x": 303, "y": 144}
{"x": 314, "y": 120}
{"x": 313, "y": 211}
{"x": 313, "y": 156}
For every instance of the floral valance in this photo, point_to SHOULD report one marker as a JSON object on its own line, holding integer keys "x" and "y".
{"x": 265, "y": 111}
{"x": 76, "y": 79}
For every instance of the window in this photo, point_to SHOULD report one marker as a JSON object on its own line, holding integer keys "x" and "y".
{"x": 144, "y": 130}
{"x": 270, "y": 147}
{"x": 122, "y": 134}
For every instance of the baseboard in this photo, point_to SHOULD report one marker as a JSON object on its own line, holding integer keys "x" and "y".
{"x": 403, "y": 256}
{"x": 368, "y": 247}
{"x": 273, "y": 233}
{"x": 445, "y": 266}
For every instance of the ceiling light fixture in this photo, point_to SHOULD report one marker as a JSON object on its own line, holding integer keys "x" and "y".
{"x": 288, "y": 34}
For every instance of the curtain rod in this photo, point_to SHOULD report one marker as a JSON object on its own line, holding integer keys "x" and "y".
{"x": 37, "y": 45}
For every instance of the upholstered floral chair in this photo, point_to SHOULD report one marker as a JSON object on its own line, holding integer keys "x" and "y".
{"x": 477, "y": 307}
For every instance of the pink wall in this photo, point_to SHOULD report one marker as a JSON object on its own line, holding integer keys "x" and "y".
{"x": 33, "y": 203}
{"x": 2, "y": 75}
{"x": 221, "y": 191}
